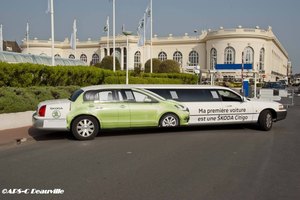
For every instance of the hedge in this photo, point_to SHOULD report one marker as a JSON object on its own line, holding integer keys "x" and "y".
{"x": 14, "y": 99}
{"x": 27, "y": 75}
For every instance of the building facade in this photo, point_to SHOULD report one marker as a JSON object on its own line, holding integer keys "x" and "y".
{"x": 225, "y": 53}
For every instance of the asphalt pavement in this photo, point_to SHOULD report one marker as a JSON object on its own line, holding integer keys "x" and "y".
{"x": 209, "y": 163}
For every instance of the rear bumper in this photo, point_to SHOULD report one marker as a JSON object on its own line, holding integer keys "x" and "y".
{"x": 48, "y": 124}
{"x": 281, "y": 115}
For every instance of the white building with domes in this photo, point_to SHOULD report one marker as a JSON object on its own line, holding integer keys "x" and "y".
{"x": 223, "y": 52}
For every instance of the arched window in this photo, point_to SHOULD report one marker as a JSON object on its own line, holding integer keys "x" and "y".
{"x": 57, "y": 56}
{"x": 193, "y": 58}
{"x": 162, "y": 56}
{"x": 229, "y": 55}
{"x": 213, "y": 58}
{"x": 248, "y": 55}
{"x": 262, "y": 59}
{"x": 177, "y": 56}
{"x": 83, "y": 58}
{"x": 137, "y": 59}
{"x": 95, "y": 59}
{"x": 71, "y": 56}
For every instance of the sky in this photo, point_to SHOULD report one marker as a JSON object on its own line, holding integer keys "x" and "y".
{"x": 169, "y": 16}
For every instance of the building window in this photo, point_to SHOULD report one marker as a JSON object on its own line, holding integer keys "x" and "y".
{"x": 213, "y": 58}
{"x": 71, "y": 56}
{"x": 248, "y": 55}
{"x": 229, "y": 57}
{"x": 83, "y": 58}
{"x": 137, "y": 59}
{"x": 162, "y": 56}
{"x": 95, "y": 59}
{"x": 193, "y": 58}
{"x": 177, "y": 56}
{"x": 262, "y": 59}
{"x": 57, "y": 56}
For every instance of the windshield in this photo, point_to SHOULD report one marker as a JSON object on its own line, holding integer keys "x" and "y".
{"x": 75, "y": 95}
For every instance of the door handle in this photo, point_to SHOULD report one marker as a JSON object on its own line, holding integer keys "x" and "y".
{"x": 229, "y": 106}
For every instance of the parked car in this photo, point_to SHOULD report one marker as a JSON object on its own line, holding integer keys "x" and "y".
{"x": 93, "y": 108}
{"x": 274, "y": 85}
{"x": 215, "y": 105}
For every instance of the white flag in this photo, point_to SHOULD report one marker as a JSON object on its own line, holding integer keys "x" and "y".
{"x": 1, "y": 38}
{"x": 144, "y": 26}
{"x": 73, "y": 36}
{"x": 140, "y": 32}
{"x": 49, "y": 7}
{"x": 27, "y": 30}
{"x": 106, "y": 27}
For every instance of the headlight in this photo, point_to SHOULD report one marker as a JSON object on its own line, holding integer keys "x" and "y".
{"x": 281, "y": 107}
{"x": 181, "y": 107}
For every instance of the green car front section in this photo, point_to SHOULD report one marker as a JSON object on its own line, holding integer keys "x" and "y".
{"x": 120, "y": 113}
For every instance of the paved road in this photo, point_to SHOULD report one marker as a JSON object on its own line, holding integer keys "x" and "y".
{"x": 209, "y": 163}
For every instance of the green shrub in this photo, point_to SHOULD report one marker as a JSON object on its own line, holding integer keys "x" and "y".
{"x": 23, "y": 99}
{"x": 169, "y": 66}
{"x": 155, "y": 65}
{"x": 27, "y": 75}
{"x": 107, "y": 63}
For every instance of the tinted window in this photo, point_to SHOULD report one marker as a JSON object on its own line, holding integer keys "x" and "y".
{"x": 187, "y": 95}
{"x": 75, "y": 95}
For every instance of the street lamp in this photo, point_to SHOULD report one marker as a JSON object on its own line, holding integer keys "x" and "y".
{"x": 127, "y": 33}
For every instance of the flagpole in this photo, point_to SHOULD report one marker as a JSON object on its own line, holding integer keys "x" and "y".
{"x": 144, "y": 42}
{"x": 52, "y": 33}
{"x": 75, "y": 36}
{"x": 27, "y": 37}
{"x": 107, "y": 21}
{"x": 1, "y": 38}
{"x": 151, "y": 61}
{"x": 114, "y": 35}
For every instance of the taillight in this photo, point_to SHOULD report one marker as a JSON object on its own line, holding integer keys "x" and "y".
{"x": 42, "y": 111}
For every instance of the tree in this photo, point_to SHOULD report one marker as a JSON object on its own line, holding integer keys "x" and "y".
{"x": 156, "y": 62}
{"x": 169, "y": 66}
{"x": 107, "y": 63}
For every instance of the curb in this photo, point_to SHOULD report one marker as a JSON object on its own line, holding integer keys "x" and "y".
{"x": 15, "y": 120}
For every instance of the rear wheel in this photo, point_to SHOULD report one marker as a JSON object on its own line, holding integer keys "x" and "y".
{"x": 169, "y": 120}
{"x": 265, "y": 120}
{"x": 85, "y": 128}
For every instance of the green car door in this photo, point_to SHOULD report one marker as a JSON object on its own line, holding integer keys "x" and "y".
{"x": 111, "y": 112}
{"x": 143, "y": 108}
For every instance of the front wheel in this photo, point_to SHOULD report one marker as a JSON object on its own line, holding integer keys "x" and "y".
{"x": 265, "y": 120}
{"x": 169, "y": 120}
{"x": 85, "y": 128}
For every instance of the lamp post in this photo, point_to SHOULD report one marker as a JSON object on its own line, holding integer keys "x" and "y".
{"x": 127, "y": 33}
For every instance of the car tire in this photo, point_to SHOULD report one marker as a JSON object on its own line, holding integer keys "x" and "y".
{"x": 85, "y": 128}
{"x": 169, "y": 120}
{"x": 265, "y": 120}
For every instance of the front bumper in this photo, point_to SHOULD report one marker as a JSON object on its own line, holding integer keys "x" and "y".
{"x": 281, "y": 115}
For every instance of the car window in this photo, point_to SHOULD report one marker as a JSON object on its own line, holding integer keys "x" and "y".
{"x": 106, "y": 96}
{"x": 102, "y": 95}
{"x": 227, "y": 95}
{"x": 75, "y": 95}
{"x": 141, "y": 98}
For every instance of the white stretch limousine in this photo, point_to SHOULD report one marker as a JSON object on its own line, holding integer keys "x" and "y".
{"x": 212, "y": 105}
